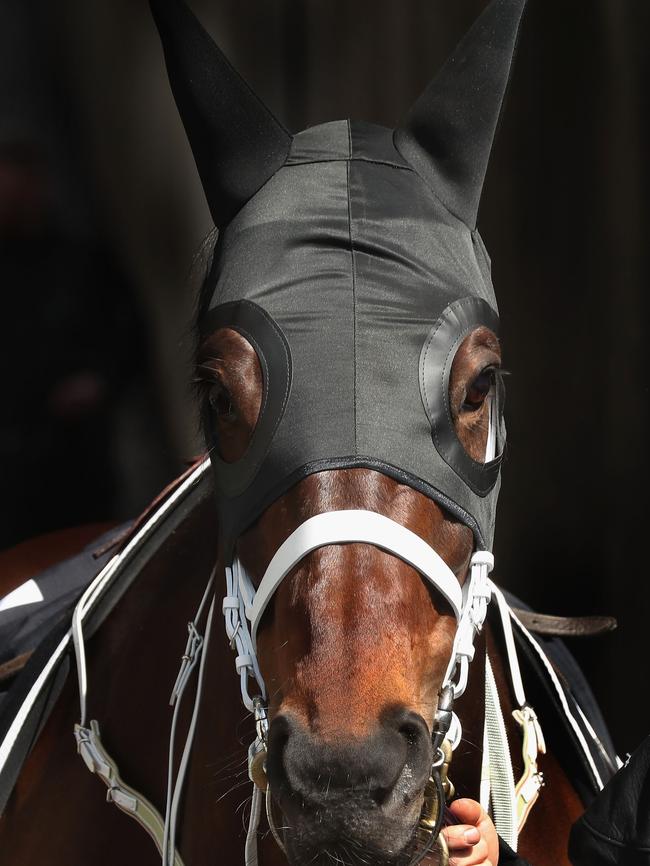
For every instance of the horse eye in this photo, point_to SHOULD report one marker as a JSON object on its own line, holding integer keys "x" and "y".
{"x": 221, "y": 402}
{"x": 478, "y": 390}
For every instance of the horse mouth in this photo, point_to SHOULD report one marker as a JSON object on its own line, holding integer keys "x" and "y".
{"x": 348, "y": 850}
{"x": 351, "y": 832}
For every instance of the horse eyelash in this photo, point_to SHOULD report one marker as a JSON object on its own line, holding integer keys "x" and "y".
{"x": 200, "y": 385}
{"x": 204, "y": 373}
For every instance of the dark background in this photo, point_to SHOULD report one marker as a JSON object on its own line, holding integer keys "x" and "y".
{"x": 102, "y": 216}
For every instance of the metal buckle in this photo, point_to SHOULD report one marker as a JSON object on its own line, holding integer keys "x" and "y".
{"x": 257, "y": 749}
{"x": 529, "y": 786}
{"x": 432, "y": 815}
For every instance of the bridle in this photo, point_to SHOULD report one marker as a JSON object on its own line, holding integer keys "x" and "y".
{"x": 244, "y": 607}
{"x": 510, "y": 801}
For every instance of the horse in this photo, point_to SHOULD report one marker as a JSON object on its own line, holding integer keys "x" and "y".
{"x": 58, "y": 807}
{"x": 365, "y": 584}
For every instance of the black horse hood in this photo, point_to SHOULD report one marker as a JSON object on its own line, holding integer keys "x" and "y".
{"x": 348, "y": 256}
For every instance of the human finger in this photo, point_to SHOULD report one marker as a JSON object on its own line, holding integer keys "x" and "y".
{"x": 468, "y": 811}
{"x": 461, "y": 836}
{"x": 474, "y": 855}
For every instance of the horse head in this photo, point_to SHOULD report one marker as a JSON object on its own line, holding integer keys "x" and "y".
{"x": 348, "y": 366}
{"x": 355, "y": 645}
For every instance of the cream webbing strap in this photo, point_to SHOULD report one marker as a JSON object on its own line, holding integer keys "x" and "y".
{"x": 499, "y": 771}
{"x": 526, "y": 791}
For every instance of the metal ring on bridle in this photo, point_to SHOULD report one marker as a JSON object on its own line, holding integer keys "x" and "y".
{"x": 433, "y": 828}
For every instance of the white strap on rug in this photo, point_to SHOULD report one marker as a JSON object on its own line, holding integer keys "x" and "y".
{"x": 507, "y": 618}
{"x": 562, "y": 698}
{"x": 112, "y": 571}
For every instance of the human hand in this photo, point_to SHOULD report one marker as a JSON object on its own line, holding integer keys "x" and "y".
{"x": 474, "y": 841}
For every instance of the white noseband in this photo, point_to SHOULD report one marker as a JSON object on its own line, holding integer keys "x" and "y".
{"x": 344, "y": 527}
{"x": 244, "y": 604}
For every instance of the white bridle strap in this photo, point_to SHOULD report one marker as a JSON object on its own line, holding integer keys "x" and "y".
{"x": 344, "y": 527}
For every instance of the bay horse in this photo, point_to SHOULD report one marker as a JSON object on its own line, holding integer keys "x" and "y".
{"x": 57, "y": 809}
{"x": 360, "y": 639}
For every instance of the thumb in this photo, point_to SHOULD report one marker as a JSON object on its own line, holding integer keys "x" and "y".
{"x": 467, "y": 811}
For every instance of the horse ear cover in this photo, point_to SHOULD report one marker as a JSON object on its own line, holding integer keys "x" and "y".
{"x": 447, "y": 136}
{"x": 237, "y": 143}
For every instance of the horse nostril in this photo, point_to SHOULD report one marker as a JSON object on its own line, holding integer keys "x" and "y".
{"x": 388, "y": 768}
{"x": 414, "y": 730}
{"x": 411, "y": 731}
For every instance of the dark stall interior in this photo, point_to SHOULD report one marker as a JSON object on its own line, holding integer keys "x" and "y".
{"x": 102, "y": 223}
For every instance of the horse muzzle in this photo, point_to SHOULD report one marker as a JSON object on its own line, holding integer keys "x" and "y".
{"x": 356, "y": 799}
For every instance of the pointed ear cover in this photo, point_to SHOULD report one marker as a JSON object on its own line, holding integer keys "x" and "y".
{"x": 237, "y": 143}
{"x": 447, "y": 136}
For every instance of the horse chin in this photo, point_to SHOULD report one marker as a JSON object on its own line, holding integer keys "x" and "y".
{"x": 352, "y": 834}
